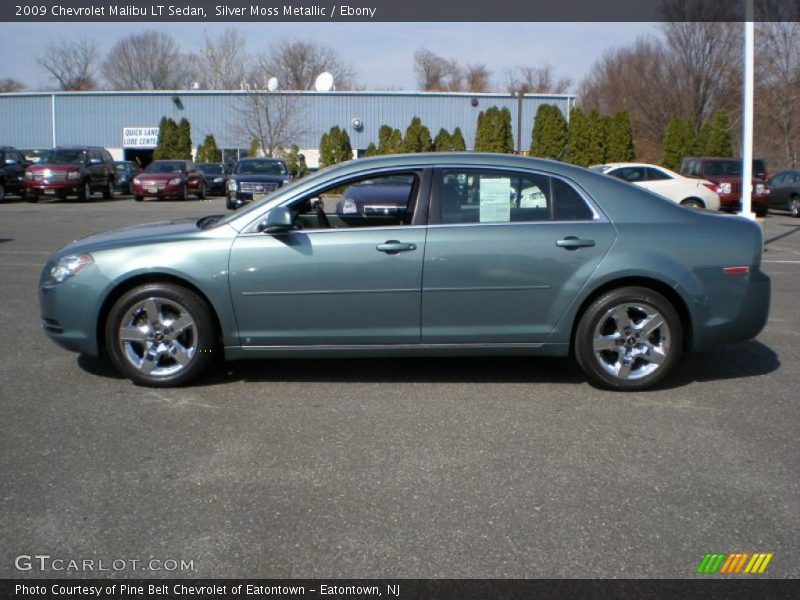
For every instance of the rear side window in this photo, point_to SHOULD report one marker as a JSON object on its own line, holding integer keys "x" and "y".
{"x": 629, "y": 174}
{"x": 656, "y": 175}
{"x": 489, "y": 196}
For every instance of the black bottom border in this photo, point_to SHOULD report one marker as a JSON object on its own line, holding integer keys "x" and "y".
{"x": 405, "y": 589}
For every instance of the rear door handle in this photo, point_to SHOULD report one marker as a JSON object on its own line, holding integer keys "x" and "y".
{"x": 394, "y": 246}
{"x": 573, "y": 243}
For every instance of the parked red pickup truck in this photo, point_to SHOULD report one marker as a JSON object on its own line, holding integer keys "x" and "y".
{"x": 726, "y": 174}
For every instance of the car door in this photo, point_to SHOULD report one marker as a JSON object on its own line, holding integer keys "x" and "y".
{"x": 507, "y": 252}
{"x": 97, "y": 169}
{"x": 336, "y": 280}
{"x": 777, "y": 189}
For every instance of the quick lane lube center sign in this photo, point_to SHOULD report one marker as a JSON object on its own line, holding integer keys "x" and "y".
{"x": 139, "y": 137}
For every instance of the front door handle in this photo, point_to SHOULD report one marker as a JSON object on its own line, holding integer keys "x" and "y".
{"x": 394, "y": 246}
{"x": 573, "y": 243}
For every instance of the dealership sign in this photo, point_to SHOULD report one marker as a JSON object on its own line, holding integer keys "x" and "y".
{"x": 139, "y": 137}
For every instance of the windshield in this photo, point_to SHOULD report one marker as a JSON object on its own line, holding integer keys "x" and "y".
{"x": 123, "y": 167}
{"x": 212, "y": 168}
{"x": 166, "y": 166}
{"x": 260, "y": 167}
{"x": 66, "y": 156}
{"x": 723, "y": 168}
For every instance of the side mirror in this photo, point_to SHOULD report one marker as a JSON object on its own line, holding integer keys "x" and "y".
{"x": 279, "y": 220}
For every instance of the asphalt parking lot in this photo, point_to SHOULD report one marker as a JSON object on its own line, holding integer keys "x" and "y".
{"x": 498, "y": 468}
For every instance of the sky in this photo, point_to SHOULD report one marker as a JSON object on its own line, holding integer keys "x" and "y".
{"x": 382, "y": 53}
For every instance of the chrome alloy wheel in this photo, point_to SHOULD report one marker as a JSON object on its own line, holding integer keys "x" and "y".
{"x": 631, "y": 341}
{"x": 158, "y": 336}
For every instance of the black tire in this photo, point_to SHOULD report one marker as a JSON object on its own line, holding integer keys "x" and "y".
{"x": 2, "y": 191}
{"x": 184, "y": 193}
{"x": 108, "y": 191}
{"x": 794, "y": 207}
{"x": 170, "y": 303}
{"x": 761, "y": 212}
{"x": 654, "y": 355}
{"x": 30, "y": 197}
{"x": 693, "y": 203}
{"x": 85, "y": 191}
{"x": 138, "y": 198}
{"x": 201, "y": 194}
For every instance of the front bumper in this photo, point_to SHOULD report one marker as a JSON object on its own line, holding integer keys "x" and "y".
{"x": 733, "y": 202}
{"x": 42, "y": 188}
{"x": 148, "y": 191}
{"x": 68, "y": 315}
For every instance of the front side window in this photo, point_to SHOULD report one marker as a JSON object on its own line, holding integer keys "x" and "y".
{"x": 487, "y": 196}
{"x": 377, "y": 201}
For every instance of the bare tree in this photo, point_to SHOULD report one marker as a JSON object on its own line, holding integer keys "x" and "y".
{"x": 778, "y": 91}
{"x": 273, "y": 119}
{"x": 704, "y": 59}
{"x": 222, "y": 64}
{"x": 70, "y": 64}
{"x": 150, "y": 60}
{"x": 477, "y": 78}
{"x": 436, "y": 73}
{"x": 297, "y": 64}
{"x": 536, "y": 80}
{"x": 9, "y": 84}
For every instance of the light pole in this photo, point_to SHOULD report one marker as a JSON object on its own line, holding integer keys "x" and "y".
{"x": 747, "y": 137}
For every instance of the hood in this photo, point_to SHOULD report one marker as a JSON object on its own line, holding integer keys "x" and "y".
{"x": 144, "y": 234}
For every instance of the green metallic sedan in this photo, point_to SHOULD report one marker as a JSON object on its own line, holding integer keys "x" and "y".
{"x": 443, "y": 254}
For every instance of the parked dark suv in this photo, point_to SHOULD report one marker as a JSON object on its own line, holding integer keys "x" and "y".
{"x": 726, "y": 174}
{"x": 254, "y": 178}
{"x": 71, "y": 170}
{"x": 12, "y": 172}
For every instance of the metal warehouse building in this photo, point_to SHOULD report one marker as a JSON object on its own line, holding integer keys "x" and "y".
{"x": 124, "y": 122}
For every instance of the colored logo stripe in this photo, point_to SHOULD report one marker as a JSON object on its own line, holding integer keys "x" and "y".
{"x": 724, "y": 563}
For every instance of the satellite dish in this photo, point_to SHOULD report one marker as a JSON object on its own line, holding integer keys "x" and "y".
{"x": 324, "y": 82}
{"x": 272, "y": 84}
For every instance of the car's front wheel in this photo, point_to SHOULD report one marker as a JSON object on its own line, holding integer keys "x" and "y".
{"x": 160, "y": 335}
{"x": 108, "y": 191}
{"x": 628, "y": 339}
{"x": 201, "y": 193}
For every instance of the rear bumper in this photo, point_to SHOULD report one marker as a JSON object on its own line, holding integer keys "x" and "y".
{"x": 734, "y": 308}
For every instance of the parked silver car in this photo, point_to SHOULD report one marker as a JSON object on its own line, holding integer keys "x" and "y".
{"x": 490, "y": 254}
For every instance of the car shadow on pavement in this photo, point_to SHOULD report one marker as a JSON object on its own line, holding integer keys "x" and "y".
{"x": 728, "y": 362}
{"x": 734, "y": 361}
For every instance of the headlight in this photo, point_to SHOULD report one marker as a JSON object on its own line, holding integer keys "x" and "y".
{"x": 73, "y": 174}
{"x": 28, "y": 175}
{"x": 175, "y": 181}
{"x": 218, "y": 179}
{"x": 724, "y": 188}
{"x": 137, "y": 181}
{"x": 69, "y": 266}
{"x": 232, "y": 185}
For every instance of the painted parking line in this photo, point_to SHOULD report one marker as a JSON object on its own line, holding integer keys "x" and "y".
{"x": 783, "y": 262}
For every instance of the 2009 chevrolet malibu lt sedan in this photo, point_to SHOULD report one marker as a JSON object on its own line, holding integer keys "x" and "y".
{"x": 480, "y": 255}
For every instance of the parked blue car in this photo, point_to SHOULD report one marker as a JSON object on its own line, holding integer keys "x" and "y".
{"x": 490, "y": 254}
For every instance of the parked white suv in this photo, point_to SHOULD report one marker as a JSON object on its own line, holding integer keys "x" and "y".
{"x": 695, "y": 193}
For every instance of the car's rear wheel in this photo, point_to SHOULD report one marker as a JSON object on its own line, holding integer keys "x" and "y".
{"x": 184, "y": 193}
{"x": 138, "y": 198}
{"x": 794, "y": 208}
{"x": 31, "y": 197}
{"x": 85, "y": 191}
{"x": 628, "y": 339}
{"x": 693, "y": 203}
{"x": 160, "y": 335}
